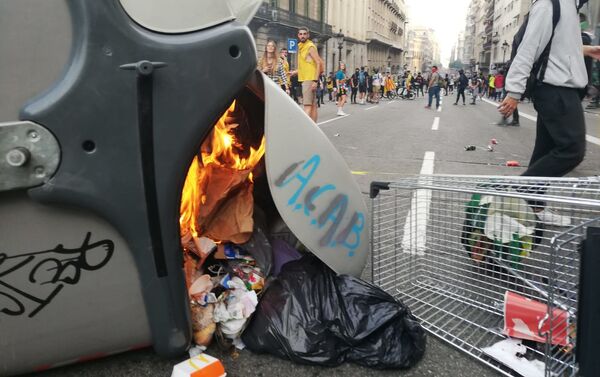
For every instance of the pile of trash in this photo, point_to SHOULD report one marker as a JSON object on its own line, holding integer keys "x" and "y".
{"x": 224, "y": 281}
{"x": 268, "y": 297}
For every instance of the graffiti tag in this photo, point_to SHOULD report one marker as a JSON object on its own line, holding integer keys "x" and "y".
{"x": 333, "y": 204}
{"x": 30, "y": 281}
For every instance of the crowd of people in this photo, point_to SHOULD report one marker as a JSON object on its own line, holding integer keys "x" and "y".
{"x": 556, "y": 94}
{"x": 309, "y": 85}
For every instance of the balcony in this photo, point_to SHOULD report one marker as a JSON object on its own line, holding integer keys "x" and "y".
{"x": 373, "y": 36}
{"x": 274, "y": 15}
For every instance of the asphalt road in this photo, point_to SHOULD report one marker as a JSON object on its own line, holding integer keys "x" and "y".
{"x": 386, "y": 142}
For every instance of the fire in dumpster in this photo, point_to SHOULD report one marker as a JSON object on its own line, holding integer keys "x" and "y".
{"x": 222, "y": 169}
{"x": 217, "y": 208}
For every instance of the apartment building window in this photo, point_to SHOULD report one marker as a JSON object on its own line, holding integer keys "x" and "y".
{"x": 283, "y": 4}
{"x": 312, "y": 9}
{"x": 300, "y": 7}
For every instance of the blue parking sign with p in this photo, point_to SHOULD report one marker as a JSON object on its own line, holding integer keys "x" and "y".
{"x": 292, "y": 45}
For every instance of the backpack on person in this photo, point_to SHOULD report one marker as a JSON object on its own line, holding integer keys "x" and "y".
{"x": 361, "y": 78}
{"x": 441, "y": 82}
{"x": 538, "y": 70}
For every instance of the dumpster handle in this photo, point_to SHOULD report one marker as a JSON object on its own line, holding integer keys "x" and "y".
{"x": 145, "y": 70}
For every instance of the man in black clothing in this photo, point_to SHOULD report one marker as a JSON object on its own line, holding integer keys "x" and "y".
{"x": 354, "y": 86}
{"x": 461, "y": 84}
{"x": 561, "y": 137}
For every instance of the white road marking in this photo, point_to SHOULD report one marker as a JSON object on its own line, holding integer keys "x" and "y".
{"x": 369, "y": 108}
{"x": 439, "y": 109}
{"x": 389, "y": 103}
{"x": 589, "y": 138}
{"x": 415, "y": 227}
{"x": 524, "y": 115}
{"x": 436, "y": 124}
{"x": 333, "y": 120}
{"x": 592, "y": 139}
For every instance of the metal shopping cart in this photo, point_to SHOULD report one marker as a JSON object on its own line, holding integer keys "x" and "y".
{"x": 454, "y": 248}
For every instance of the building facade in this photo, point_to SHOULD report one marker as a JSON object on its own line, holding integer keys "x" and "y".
{"x": 468, "y": 56}
{"x": 508, "y": 17}
{"x": 484, "y": 25}
{"x": 386, "y": 23}
{"x": 460, "y": 48}
{"x": 280, "y": 19}
{"x": 348, "y": 20}
{"x": 489, "y": 31}
{"x": 423, "y": 50}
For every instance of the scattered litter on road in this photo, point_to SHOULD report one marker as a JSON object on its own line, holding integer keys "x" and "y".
{"x": 470, "y": 148}
{"x": 336, "y": 135}
{"x": 494, "y": 141}
{"x": 490, "y": 148}
{"x": 202, "y": 365}
{"x": 511, "y": 352}
{"x": 513, "y": 163}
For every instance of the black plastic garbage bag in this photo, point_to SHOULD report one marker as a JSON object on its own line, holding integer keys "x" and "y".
{"x": 260, "y": 248}
{"x": 311, "y": 315}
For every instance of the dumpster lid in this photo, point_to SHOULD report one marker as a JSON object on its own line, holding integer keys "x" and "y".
{"x": 312, "y": 186}
{"x": 182, "y": 16}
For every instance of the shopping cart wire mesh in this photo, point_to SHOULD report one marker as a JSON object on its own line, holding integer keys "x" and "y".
{"x": 451, "y": 247}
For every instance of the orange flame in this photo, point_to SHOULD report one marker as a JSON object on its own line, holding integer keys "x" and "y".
{"x": 221, "y": 143}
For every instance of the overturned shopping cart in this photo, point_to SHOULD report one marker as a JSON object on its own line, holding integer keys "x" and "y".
{"x": 464, "y": 251}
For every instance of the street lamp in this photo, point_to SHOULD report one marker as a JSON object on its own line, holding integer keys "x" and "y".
{"x": 340, "y": 46}
{"x": 504, "y": 48}
{"x": 389, "y": 61}
{"x": 405, "y": 32}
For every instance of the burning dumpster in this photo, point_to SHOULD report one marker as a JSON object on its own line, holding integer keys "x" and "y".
{"x": 126, "y": 160}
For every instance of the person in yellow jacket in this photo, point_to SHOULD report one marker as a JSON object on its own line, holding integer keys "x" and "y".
{"x": 389, "y": 85}
{"x": 330, "y": 86}
{"x": 492, "y": 86}
{"x": 310, "y": 67}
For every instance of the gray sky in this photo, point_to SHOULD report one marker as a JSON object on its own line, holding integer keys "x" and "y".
{"x": 446, "y": 17}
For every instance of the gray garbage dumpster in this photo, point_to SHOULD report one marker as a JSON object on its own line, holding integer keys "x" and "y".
{"x": 104, "y": 106}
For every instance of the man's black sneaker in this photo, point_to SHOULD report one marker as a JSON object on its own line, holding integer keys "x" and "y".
{"x": 455, "y": 103}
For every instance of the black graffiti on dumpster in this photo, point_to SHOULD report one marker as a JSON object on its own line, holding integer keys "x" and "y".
{"x": 334, "y": 210}
{"x": 30, "y": 281}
